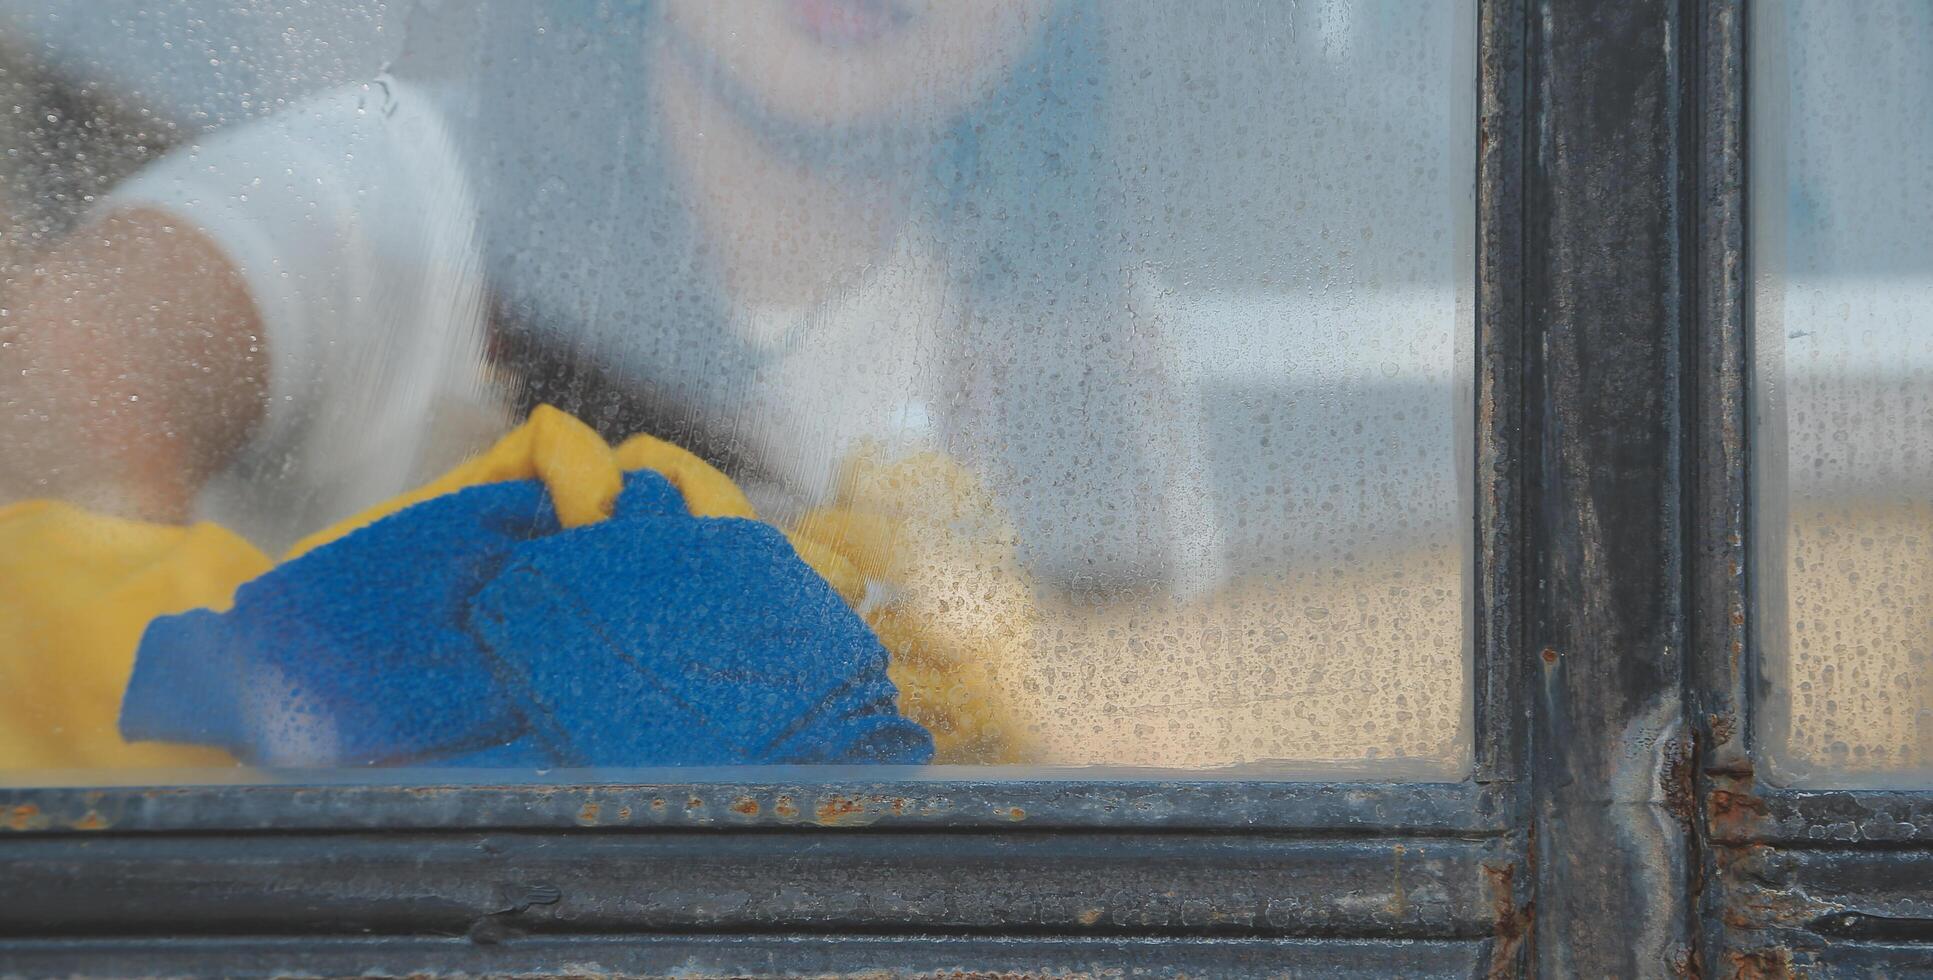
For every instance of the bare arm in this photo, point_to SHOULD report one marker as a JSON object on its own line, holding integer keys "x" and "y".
{"x": 132, "y": 366}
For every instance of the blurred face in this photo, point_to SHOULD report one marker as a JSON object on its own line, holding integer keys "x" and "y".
{"x": 859, "y": 62}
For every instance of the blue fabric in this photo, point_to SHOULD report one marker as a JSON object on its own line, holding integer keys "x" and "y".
{"x": 471, "y": 630}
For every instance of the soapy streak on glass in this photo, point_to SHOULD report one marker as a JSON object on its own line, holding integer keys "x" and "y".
{"x": 1276, "y": 260}
{"x": 1842, "y": 213}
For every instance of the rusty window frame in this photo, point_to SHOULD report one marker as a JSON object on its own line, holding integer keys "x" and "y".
{"x": 733, "y": 872}
{"x": 1786, "y": 881}
{"x": 745, "y": 871}
{"x": 1611, "y": 827}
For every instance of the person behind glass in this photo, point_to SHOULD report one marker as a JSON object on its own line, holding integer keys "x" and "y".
{"x": 766, "y": 231}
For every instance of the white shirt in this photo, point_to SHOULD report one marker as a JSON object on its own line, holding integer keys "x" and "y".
{"x": 352, "y": 222}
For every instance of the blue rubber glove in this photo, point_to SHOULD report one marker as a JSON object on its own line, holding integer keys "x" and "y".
{"x": 469, "y": 630}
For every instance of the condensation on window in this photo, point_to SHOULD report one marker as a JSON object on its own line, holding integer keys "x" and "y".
{"x": 1035, "y": 382}
{"x": 1842, "y": 251}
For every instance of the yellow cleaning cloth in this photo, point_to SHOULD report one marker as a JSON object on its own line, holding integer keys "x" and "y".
{"x": 961, "y": 612}
{"x": 77, "y": 589}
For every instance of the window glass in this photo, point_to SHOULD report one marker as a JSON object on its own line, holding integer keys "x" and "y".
{"x": 618, "y": 383}
{"x": 1842, "y": 247}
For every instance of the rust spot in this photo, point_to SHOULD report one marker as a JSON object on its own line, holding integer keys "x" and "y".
{"x": 1738, "y": 616}
{"x": 899, "y": 806}
{"x": 1726, "y": 803}
{"x": 624, "y": 813}
{"x": 1512, "y": 922}
{"x": 1016, "y": 814}
{"x": 658, "y": 804}
{"x": 1723, "y": 727}
{"x": 745, "y": 806}
{"x": 1760, "y": 964}
{"x": 1767, "y": 909}
{"x": 23, "y": 817}
{"x": 694, "y": 803}
{"x": 1733, "y": 814}
{"x": 91, "y": 820}
{"x": 1089, "y": 917}
{"x": 1754, "y": 903}
{"x": 588, "y": 815}
{"x": 785, "y": 808}
{"x": 835, "y": 810}
{"x": 1550, "y": 656}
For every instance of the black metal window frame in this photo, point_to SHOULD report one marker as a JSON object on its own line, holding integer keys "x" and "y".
{"x": 1785, "y": 881}
{"x": 1612, "y": 825}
